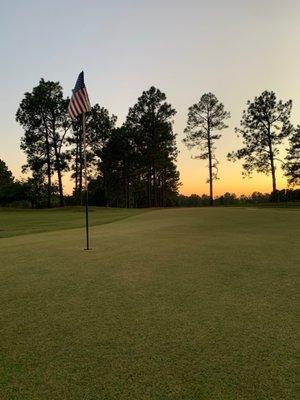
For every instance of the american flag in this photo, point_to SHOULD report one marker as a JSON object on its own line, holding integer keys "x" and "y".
{"x": 79, "y": 102}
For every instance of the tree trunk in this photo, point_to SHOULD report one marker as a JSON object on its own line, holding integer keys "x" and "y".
{"x": 272, "y": 161}
{"x": 58, "y": 169}
{"x": 76, "y": 169}
{"x": 80, "y": 192}
{"x": 273, "y": 170}
{"x": 60, "y": 186}
{"x": 105, "y": 185}
{"x": 127, "y": 193}
{"x": 211, "y": 195}
{"x": 48, "y": 170}
{"x": 155, "y": 203}
{"x": 59, "y": 177}
{"x": 149, "y": 187}
{"x": 165, "y": 187}
{"x": 126, "y": 184}
{"x": 273, "y": 174}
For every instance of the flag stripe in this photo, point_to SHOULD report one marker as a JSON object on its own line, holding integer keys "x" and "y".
{"x": 73, "y": 110}
{"x": 83, "y": 99}
{"x": 75, "y": 107}
{"x": 79, "y": 102}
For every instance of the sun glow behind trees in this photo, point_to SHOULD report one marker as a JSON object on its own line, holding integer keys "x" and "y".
{"x": 250, "y": 47}
{"x": 135, "y": 165}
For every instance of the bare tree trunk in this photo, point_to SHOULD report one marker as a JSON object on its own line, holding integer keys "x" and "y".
{"x": 273, "y": 169}
{"x": 76, "y": 170}
{"x": 57, "y": 165}
{"x": 59, "y": 175}
{"x": 154, "y": 185}
{"x": 159, "y": 191}
{"x": 60, "y": 186}
{"x": 80, "y": 194}
{"x": 127, "y": 193}
{"x": 149, "y": 187}
{"x": 164, "y": 195}
{"x": 105, "y": 186}
{"x": 273, "y": 173}
{"x": 271, "y": 153}
{"x": 48, "y": 170}
{"x": 211, "y": 195}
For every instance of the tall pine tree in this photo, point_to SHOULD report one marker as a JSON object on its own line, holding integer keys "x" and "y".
{"x": 292, "y": 164}
{"x": 99, "y": 125}
{"x": 264, "y": 125}
{"x": 150, "y": 126}
{"x": 205, "y": 119}
{"x": 43, "y": 116}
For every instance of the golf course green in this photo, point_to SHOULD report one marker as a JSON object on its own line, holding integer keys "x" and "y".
{"x": 190, "y": 304}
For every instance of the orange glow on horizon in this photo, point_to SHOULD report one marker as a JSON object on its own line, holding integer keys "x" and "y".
{"x": 196, "y": 184}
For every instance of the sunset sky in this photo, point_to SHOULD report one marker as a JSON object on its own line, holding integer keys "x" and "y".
{"x": 233, "y": 48}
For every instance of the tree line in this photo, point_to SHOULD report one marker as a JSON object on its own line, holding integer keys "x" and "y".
{"x": 263, "y": 127}
{"x": 131, "y": 166}
{"x": 27, "y": 193}
{"x": 285, "y": 196}
{"x": 134, "y": 165}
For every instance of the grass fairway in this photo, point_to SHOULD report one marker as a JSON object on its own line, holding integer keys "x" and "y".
{"x": 170, "y": 304}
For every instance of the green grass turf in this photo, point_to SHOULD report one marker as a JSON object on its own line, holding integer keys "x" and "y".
{"x": 24, "y": 221}
{"x": 170, "y": 304}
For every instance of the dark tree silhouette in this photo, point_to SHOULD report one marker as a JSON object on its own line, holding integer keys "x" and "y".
{"x": 35, "y": 191}
{"x": 264, "y": 125}
{"x": 292, "y": 165}
{"x": 43, "y": 115}
{"x": 149, "y": 122}
{"x": 99, "y": 125}
{"x": 205, "y": 119}
{"x": 119, "y": 168}
{"x": 6, "y": 176}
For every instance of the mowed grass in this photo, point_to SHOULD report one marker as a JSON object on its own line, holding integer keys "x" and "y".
{"x": 24, "y": 221}
{"x": 170, "y": 304}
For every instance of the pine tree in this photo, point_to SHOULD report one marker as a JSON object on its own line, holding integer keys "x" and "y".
{"x": 43, "y": 116}
{"x": 264, "y": 125}
{"x": 292, "y": 165}
{"x": 149, "y": 123}
{"x": 99, "y": 125}
{"x": 205, "y": 119}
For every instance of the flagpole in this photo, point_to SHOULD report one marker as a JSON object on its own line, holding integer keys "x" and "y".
{"x": 85, "y": 184}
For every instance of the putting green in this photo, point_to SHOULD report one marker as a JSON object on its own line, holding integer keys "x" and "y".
{"x": 169, "y": 304}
